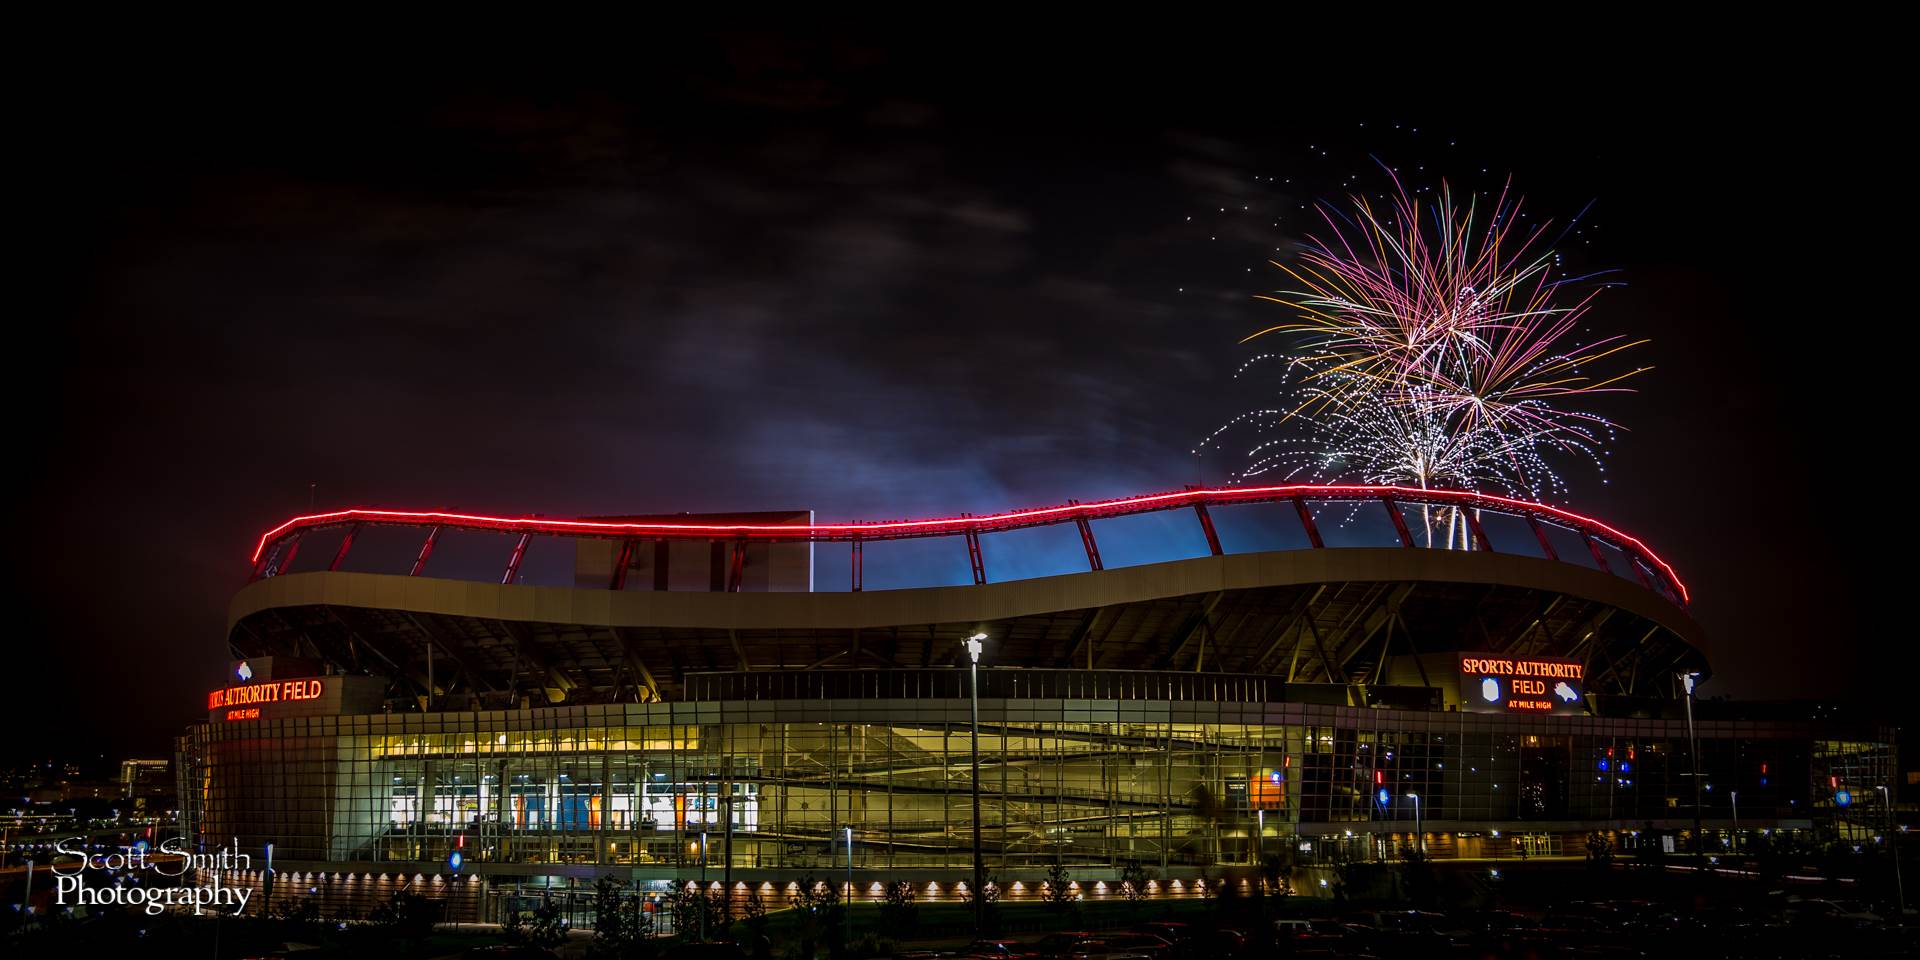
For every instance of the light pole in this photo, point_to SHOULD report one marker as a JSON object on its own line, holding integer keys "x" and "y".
{"x": 979, "y": 867}
{"x": 1259, "y": 836}
{"x": 1419, "y": 836}
{"x": 1693, "y": 748}
{"x": 1893, "y": 847}
{"x": 847, "y": 907}
{"x": 726, "y": 869}
{"x": 1735, "y": 794}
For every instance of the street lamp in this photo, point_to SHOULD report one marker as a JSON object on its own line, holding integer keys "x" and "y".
{"x": 1735, "y": 794}
{"x": 1259, "y": 835}
{"x": 847, "y": 907}
{"x": 1893, "y": 847}
{"x": 1419, "y": 836}
{"x": 979, "y": 867}
{"x": 1693, "y": 748}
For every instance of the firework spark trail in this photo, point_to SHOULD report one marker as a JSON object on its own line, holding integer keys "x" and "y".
{"x": 1432, "y": 348}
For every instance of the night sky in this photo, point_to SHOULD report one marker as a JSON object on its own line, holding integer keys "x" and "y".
{"x": 745, "y": 273}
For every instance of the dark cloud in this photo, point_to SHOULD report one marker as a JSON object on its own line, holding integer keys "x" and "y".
{"x": 759, "y": 274}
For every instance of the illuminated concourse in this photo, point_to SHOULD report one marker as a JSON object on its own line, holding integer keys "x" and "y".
{"x": 683, "y": 710}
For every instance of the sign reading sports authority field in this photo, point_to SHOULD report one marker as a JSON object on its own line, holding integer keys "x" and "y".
{"x": 1501, "y": 683}
{"x": 311, "y": 696}
{"x": 256, "y": 693}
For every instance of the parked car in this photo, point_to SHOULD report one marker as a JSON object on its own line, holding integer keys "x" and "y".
{"x": 1171, "y": 931}
{"x": 995, "y": 949}
{"x": 1086, "y": 946}
{"x": 1145, "y": 944}
{"x": 712, "y": 950}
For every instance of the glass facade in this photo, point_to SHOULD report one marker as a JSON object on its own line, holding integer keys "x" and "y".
{"x": 1182, "y": 773}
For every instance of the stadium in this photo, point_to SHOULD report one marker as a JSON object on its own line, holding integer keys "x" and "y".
{"x": 488, "y": 709}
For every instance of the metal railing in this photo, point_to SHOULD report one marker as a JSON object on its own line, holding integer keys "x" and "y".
{"x": 995, "y": 684}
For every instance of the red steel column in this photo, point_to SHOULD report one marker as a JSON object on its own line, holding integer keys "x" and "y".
{"x": 1306, "y": 521}
{"x": 426, "y": 550}
{"x": 1206, "y": 526}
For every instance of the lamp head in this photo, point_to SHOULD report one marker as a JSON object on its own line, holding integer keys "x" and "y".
{"x": 973, "y": 646}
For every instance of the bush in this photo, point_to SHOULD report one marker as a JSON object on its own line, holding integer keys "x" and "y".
{"x": 820, "y": 912}
{"x": 989, "y": 895}
{"x": 1133, "y": 881}
{"x": 899, "y": 910}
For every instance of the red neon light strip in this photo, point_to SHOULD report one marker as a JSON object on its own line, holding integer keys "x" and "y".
{"x": 1015, "y": 519}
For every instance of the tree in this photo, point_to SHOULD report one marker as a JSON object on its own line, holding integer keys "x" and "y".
{"x": 819, "y": 908}
{"x": 1059, "y": 895}
{"x": 1599, "y": 852}
{"x": 989, "y": 894}
{"x": 1416, "y": 870}
{"x": 1133, "y": 881}
{"x": 898, "y": 911}
{"x": 544, "y": 927}
{"x": 1276, "y": 870}
{"x": 609, "y": 921}
{"x": 513, "y": 926}
{"x": 621, "y": 926}
{"x": 1059, "y": 892}
{"x": 753, "y": 916}
{"x": 406, "y": 913}
{"x": 1209, "y": 809}
{"x": 698, "y": 915}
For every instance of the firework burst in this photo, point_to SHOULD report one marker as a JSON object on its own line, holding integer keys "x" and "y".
{"x": 1432, "y": 345}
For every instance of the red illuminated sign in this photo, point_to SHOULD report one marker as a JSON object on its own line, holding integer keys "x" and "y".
{"x": 1505, "y": 684}
{"x": 257, "y": 693}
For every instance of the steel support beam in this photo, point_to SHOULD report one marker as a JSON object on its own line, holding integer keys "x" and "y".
{"x": 857, "y": 561}
{"x": 1641, "y": 571}
{"x": 1399, "y": 521}
{"x": 426, "y": 550}
{"x": 1083, "y": 635}
{"x": 524, "y": 646}
{"x": 450, "y": 646}
{"x": 1378, "y": 616}
{"x": 513, "y": 562}
{"x": 739, "y": 652}
{"x": 1306, "y": 522}
{"x": 636, "y": 664}
{"x": 619, "y": 579}
{"x": 1598, "y": 557}
{"x": 1206, "y": 526}
{"x": 1479, "y": 532}
{"x": 265, "y": 563}
{"x": 286, "y": 558}
{"x": 1540, "y": 531}
{"x": 1086, "y": 540}
{"x": 346, "y": 543}
{"x": 1327, "y": 663}
{"x": 975, "y": 560}
{"x": 1285, "y": 625}
{"x": 737, "y": 570}
{"x": 1201, "y": 619}
{"x": 376, "y": 643}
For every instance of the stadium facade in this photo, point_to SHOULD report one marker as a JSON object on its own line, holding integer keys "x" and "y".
{"x": 671, "y": 700}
